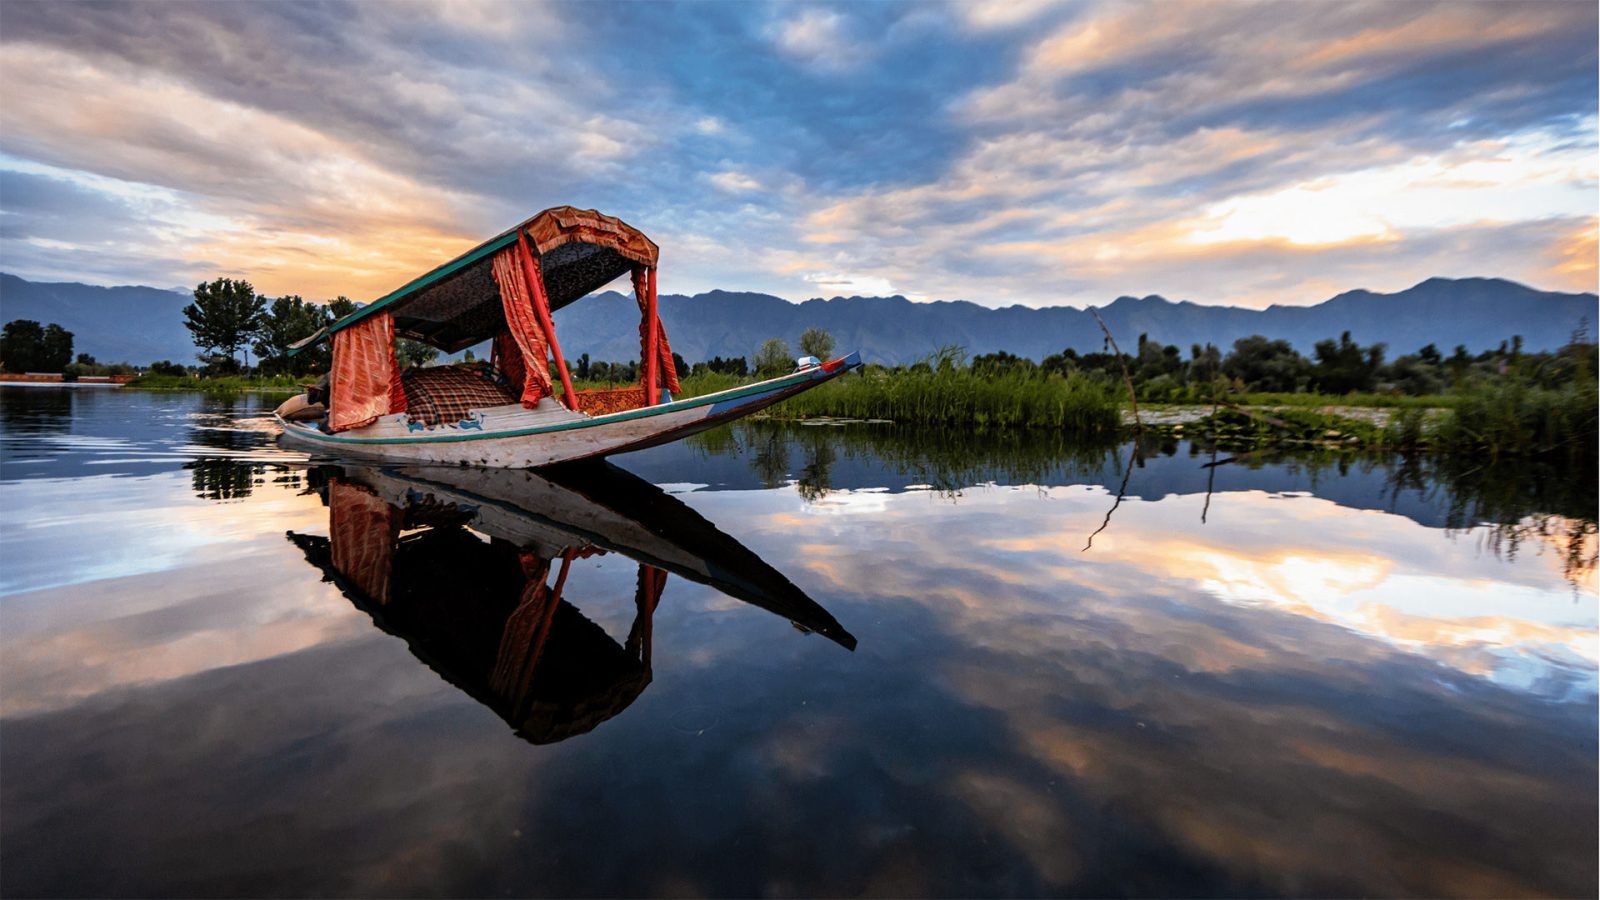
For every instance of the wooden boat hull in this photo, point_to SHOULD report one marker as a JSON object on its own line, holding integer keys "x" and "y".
{"x": 514, "y": 438}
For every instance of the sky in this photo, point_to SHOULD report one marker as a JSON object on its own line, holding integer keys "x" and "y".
{"x": 1011, "y": 152}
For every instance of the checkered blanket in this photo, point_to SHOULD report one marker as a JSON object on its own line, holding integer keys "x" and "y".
{"x": 442, "y": 395}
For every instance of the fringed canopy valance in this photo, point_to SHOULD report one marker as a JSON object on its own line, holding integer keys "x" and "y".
{"x": 458, "y": 304}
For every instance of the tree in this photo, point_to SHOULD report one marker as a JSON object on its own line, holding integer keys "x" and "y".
{"x": 816, "y": 342}
{"x": 1204, "y": 362}
{"x": 288, "y": 320}
{"x": 412, "y": 353}
{"x": 55, "y": 350}
{"x": 224, "y": 315}
{"x": 734, "y": 366}
{"x": 22, "y": 345}
{"x": 341, "y": 306}
{"x": 1266, "y": 365}
{"x": 1413, "y": 374}
{"x": 774, "y": 357}
{"x": 1459, "y": 364}
{"x": 999, "y": 363}
{"x": 1345, "y": 366}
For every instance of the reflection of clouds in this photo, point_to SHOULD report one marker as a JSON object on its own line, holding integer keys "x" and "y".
{"x": 159, "y": 780}
{"x": 1218, "y": 710}
{"x": 1379, "y": 575}
{"x": 1188, "y": 673}
{"x": 1030, "y": 822}
{"x": 131, "y": 528}
{"x": 115, "y": 581}
{"x": 59, "y": 650}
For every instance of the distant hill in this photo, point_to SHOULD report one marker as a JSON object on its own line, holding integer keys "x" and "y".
{"x": 1477, "y": 312}
{"x": 142, "y": 324}
{"x": 113, "y": 324}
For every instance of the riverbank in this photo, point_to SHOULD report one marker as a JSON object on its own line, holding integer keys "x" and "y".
{"x": 1507, "y": 421}
{"x": 1510, "y": 420}
{"x": 228, "y": 385}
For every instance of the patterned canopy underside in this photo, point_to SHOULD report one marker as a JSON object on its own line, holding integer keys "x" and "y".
{"x": 465, "y": 308}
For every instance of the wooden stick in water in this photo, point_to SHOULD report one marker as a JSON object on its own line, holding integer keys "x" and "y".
{"x": 1132, "y": 397}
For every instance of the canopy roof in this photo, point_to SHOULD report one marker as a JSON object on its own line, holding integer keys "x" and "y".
{"x": 458, "y": 304}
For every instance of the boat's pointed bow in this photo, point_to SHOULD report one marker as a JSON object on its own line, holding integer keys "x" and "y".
{"x": 843, "y": 363}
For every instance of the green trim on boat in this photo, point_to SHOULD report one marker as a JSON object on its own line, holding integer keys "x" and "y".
{"x": 449, "y": 268}
{"x": 640, "y": 413}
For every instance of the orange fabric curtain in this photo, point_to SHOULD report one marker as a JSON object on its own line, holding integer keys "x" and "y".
{"x": 508, "y": 359}
{"x": 361, "y": 532}
{"x": 366, "y": 374}
{"x": 643, "y": 287}
{"x": 523, "y": 326}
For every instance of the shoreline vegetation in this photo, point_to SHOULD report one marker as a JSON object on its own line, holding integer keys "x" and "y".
{"x": 1504, "y": 403}
{"x": 1496, "y": 421}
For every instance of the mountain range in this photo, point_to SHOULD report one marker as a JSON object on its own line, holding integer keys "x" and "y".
{"x": 143, "y": 324}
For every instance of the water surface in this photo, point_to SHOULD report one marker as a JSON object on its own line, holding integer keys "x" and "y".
{"x": 229, "y": 670}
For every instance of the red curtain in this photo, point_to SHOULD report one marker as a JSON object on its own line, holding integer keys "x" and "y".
{"x": 642, "y": 287}
{"x": 523, "y": 326}
{"x": 366, "y": 374}
{"x": 527, "y": 629}
{"x": 361, "y": 531}
{"x": 508, "y": 359}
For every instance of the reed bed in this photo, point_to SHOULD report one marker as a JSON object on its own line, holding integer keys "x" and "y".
{"x": 1516, "y": 420}
{"x": 959, "y": 397}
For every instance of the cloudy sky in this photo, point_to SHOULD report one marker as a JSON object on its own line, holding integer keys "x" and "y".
{"x": 1005, "y": 152}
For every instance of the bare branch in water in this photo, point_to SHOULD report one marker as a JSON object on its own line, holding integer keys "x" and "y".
{"x": 1121, "y": 491}
{"x": 1133, "y": 398}
{"x": 1211, "y": 479}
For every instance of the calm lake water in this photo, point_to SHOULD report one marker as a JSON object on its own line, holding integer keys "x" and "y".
{"x": 228, "y": 670}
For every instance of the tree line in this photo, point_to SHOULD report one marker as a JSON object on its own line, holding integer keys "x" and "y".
{"x": 228, "y": 317}
{"x": 772, "y": 358}
{"x": 1163, "y": 373}
{"x": 27, "y": 346}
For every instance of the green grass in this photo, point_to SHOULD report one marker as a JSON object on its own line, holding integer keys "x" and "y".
{"x": 229, "y": 384}
{"x": 1516, "y": 420}
{"x": 957, "y": 397}
{"x": 1497, "y": 422}
{"x": 952, "y": 397}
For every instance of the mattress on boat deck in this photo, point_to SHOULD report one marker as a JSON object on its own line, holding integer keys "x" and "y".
{"x": 444, "y": 395}
{"x": 508, "y": 417}
{"x": 470, "y": 396}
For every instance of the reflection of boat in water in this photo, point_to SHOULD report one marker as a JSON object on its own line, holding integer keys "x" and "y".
{"x": 407, "y": 546}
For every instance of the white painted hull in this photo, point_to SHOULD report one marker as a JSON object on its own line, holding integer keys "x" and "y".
{"x": 513, "y": 437}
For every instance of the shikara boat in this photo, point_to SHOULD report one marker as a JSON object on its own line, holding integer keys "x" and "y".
{"x": 458, "y": 563}
{"x": 506, "y": 413}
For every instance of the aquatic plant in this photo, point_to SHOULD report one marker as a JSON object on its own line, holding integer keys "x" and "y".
{"x": 1515, "y": 419}
{"x": 957, "y": 396}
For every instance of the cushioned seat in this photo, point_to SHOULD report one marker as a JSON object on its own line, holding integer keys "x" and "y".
{"x": 443, "y": 395}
